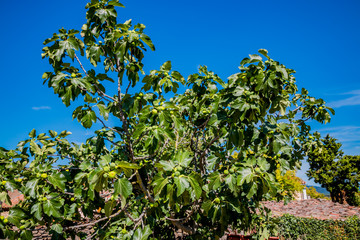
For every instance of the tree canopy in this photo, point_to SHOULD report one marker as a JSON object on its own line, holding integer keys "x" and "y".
{"x": 337, "y": 173}
{"x": 165, "y": 161}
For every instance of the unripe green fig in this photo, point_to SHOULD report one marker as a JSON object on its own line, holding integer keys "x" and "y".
{"x": 112, "y": 174}
{"x": 217, "y": 200}
{"x": 106, "y": 169}
{"x": 73, "y": 75}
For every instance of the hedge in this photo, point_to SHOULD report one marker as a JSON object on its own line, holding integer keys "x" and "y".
{"x": 296, "y": 228}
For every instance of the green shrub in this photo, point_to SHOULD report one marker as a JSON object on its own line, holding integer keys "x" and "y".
{"x": 297, "y": 228}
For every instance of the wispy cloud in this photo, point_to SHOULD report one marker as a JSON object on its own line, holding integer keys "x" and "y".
{"x": 349, "y": 136}
{"x": 41, "y": 108}
{"x": 343, "y": 133}
{"x": 351, "y": 101}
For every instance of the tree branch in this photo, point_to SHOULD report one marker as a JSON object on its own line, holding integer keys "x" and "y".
{"x": 97, "y": 221}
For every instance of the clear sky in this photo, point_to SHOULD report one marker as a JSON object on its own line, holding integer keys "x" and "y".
{"x": 319, "y": 39}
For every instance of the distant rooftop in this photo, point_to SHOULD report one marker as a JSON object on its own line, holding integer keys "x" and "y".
{"x": 313, "y": 208}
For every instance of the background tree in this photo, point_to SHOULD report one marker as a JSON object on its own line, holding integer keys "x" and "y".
{"x": 311, "y": 191}
{"x": 290, "y": 184}
{"x": 165, "y": 164}
{"x": 337, "y": 173}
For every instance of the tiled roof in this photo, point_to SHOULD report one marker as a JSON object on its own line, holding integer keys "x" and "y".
{"x": 15, "y": 197}
{"x": 315, "y": 208}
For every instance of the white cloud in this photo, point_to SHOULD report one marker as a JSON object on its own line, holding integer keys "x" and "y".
{"x": 41, "y": 108}
{"x": 343, "y": 133}
{"x": 351, "y": 101}
{"x": 348, "y": 136}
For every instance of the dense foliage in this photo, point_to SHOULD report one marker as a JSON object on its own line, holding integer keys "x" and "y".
{"x": 164, "y": 161}
{"x": 290, "y": 184}
{"x": 337, "y": 173}
{"x": 311, "y": 191}
{"x": 297, "y": 228}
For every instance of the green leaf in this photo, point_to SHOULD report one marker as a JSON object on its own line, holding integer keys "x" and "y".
{"x": 123, "y": 164}
{"x": 123, "y": 187}
{"x": 183, "y": 158}
{"x": 139, "y": 129}
{"x": 182, "y": 184}
{"x": 57, "y": 228}
{"x": 231, "y": 182}
{"x": 159, "y": 185}
{"x": 215, "y": 180}
{"x": 32, "y": 134}
{"x": 109, "y": 207}
{"x": 263, "y": 164}
{"x": 31, "y": 187}
{"x": 51, "y": 208}
{"x": 166, "y": 165}
{"x": 80, "y": 176}
{"x": 252, "y": 191}
{"x": 166, "y": 66}
{"x": 245, "y": 174}
{"x": 142, "y": 234}
{"x": 35, "y": 147}
{"x": 16, "y": 215}
{"x": 52, "y": 133}
{"x": 195, "y": 186}
{"x": 255, "y": 58}
{"x": 88, "y": 119}
{"x": 148, "y": 41}
{"x": 264, "y": 52}
{"x": 58, "y": 180}
{"x": 115, "y": 3}
{"x": 207, "y": 206}
{"x": 4, "y": 197}
{"x": 211, "y": 162}
{"x": 26, "y": 235}
{"x": 36, "y": 209}
{"x": 104, "y": 14}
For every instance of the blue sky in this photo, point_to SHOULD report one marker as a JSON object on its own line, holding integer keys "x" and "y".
{"x": 319, "y": 39}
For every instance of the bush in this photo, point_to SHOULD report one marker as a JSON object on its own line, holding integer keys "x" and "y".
{"x": 311, "y": 191}
{"x": 291, "y": 227}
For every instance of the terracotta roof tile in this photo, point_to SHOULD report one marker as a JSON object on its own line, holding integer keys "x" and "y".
{"x": 15, "y": 198}
{"x": 315, "y": 208}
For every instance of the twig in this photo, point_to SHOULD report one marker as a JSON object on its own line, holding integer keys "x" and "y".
{"x": 97, "y": 221}
{"x": 82, "y": 67}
